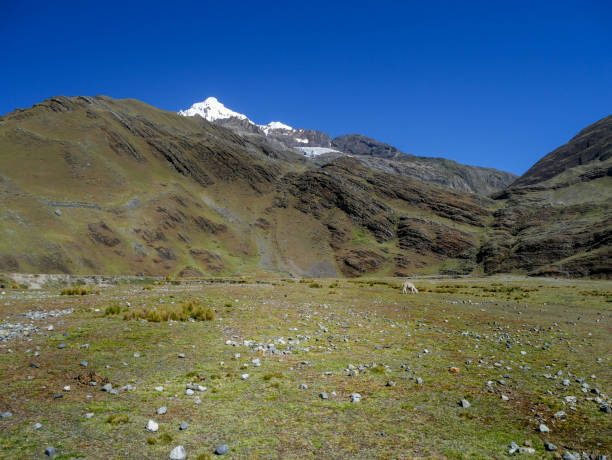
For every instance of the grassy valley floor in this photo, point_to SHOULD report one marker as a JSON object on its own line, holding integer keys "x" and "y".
{"x": 528, "y": 352}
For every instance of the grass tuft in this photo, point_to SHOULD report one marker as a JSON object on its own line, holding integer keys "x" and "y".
{"x": 181, "y": 312}
{"x": 117, "y": 419}
{"x": 79, "y": 290}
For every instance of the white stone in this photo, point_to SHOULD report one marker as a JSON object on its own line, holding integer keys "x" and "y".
{"x": 178, "y": 453}
{"x": 152, "y": 426}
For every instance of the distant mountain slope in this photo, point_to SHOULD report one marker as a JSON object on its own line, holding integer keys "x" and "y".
{"x": 557, "y": 218}
{"x": 440, "y": 171}
{"x": 590, "y": 151}
{"x": 378, "y": 155}
{"x": 97, "y": 185}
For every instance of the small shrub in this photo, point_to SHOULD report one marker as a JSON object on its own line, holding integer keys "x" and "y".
{"x": 151, "y": 440}
{"x": 272, "y": 375}
{"x": 18, "y": 286}
{"x": 79, "y": 290}
{"x": 147, "y": 288}
{"x": 378, "y": 370}
{"x": 116, "y": 419}
{"x": 315, "y": 285}
{"x": 166, "y": 438}
{"x": 112, "y": 310}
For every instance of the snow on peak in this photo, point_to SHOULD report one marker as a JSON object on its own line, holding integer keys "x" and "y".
{"x": 211, "y": 109}
{"x": 273, "y": 125}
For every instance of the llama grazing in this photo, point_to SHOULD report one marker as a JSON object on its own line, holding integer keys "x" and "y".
{"x": 408, "y": 285}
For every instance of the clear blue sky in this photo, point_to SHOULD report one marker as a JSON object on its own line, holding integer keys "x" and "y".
{"x": 490, "y": 83}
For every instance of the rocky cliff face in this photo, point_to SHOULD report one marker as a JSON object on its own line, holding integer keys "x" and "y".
{"x": 586, "y": 156}
{"x": 356, "y": 144}
{"x": 439, "y": 171}
{"x": 557, "y": 218}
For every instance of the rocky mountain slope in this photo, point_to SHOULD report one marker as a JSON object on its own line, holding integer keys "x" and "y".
{"x": 97, "y": 185}
{"x": 440, "y": 171}
{"x": 585, "y": 157}
{"x": 556, "y": 219}
{"x": 377, "y": 155}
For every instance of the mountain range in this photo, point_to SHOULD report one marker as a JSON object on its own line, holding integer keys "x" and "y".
{"x": 100, "y": 185}
{"x": 321, "y": 148}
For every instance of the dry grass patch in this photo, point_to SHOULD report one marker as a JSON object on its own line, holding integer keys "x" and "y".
{"x": 79, "y": 290}
{"x": 185, "y": 311}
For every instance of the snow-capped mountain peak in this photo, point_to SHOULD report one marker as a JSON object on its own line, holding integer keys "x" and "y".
{"x": 273, "y": 125}
{"x": 211, "y": 109}
{"x": 307, "y": 142}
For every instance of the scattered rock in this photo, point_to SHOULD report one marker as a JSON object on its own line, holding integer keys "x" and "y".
{"x": 152, "y": 426}
{"x": 543, "y": 428}
{"x": 549, "y": 446}
{"x": 50, "y": 451}
{"x": 162, "y": 410}
{"x": 323, "y": 395}
{"x": 355, "y": 397}
{"x": 184, "y": 426}
{"x": 222, "y": 449}
{"x": 178, "y": 453}
{"x": 106, "y": 387}
{"x": 465, "y": 404}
